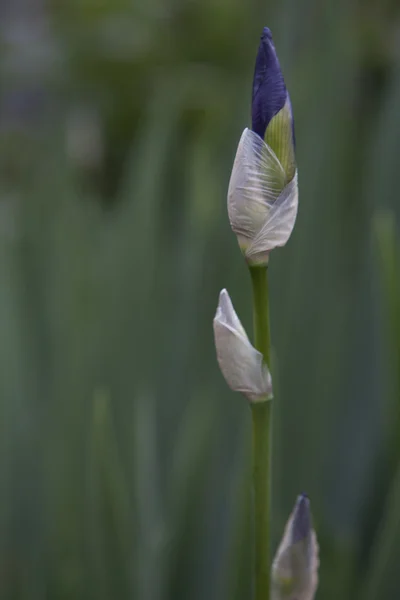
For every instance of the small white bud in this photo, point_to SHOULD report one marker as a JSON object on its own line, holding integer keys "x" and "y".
{"x": 241, "y": 364}
{"x": 262, "y": 203}
{"x": 295, "y": 567}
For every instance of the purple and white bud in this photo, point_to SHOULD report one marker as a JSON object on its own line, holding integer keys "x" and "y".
{"x": 295, "y": 567}
{"x": 263, "y": 194}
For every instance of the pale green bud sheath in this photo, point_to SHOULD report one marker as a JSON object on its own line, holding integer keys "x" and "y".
{"x": 279, "y": 137}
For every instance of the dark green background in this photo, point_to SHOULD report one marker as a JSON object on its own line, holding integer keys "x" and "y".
{"x": 124, "y": 457}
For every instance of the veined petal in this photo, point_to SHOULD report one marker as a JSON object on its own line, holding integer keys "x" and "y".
{"x": 241, "y": 364}
{"x": 278, "y": 224}
{"x": 226, "y": 315}
{"x": 295, "y": 567}
{"x": 257, "y": 180}
{"x": 262, "y": 204}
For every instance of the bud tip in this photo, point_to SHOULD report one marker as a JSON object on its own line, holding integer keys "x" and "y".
{"x": 301, "y": 519}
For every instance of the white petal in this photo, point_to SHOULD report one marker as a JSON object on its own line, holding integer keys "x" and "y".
{"x": 257, "y": 181}
{"x": 278, "y": 223}
{"x": 227, "y": 316}
{"x": 241, "y": 364}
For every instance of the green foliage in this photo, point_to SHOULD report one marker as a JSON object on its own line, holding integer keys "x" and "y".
{"x": 123, "y": 456}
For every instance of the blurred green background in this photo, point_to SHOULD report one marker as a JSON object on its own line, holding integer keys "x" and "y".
{"x": 124, "y": 458}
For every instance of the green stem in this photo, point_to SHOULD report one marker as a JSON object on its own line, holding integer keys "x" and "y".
{"x": 261, "y": 418}
{"x": 261, "y": 311}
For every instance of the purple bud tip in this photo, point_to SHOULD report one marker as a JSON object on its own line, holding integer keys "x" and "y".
{"x": 266, "y": 34}
{"x": 269, "y": 90}
{"x": 301, "y": 525}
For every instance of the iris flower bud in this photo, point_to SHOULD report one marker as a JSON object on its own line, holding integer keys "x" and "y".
{"x": 262, "y": 194}
{"x": 241, "y": 364}
{"x": 295, "y": 567}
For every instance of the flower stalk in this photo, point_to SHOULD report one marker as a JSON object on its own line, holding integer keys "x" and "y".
{"x": 262, "y": 208}
{"x": 261, "y": 441}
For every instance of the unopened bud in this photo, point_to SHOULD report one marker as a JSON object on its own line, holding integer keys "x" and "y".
{"x": 262, "y": 194}
{"x": 241, "y": 364}
{"x": 295, "y": 567}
